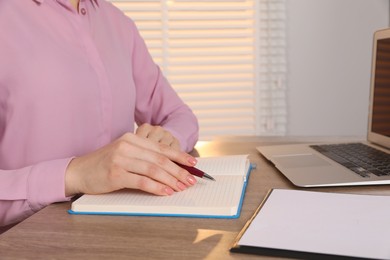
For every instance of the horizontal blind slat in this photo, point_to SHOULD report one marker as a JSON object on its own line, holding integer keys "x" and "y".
{"x": 226, "y": 59}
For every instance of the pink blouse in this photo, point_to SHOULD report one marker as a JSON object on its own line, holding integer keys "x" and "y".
{"x": 71, "y": 82}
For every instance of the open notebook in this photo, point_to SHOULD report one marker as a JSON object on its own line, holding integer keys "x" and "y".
{"x": 215, "y": 199}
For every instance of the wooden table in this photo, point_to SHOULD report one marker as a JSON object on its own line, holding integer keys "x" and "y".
{"x": 54, "y": 234}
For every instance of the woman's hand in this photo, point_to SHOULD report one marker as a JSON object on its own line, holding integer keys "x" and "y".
{"x": 158, "y": 134}
{"x": 130, "y": 162}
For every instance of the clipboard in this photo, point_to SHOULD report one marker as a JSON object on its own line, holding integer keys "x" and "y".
{"x": 375, "y": 249}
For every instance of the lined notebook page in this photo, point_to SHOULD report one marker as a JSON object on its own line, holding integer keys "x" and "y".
{"x": 226, "y": 165}
{"x": 220, "y": 197}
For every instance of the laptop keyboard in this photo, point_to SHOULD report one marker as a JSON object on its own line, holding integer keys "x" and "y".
{"x": 358, "y": 157}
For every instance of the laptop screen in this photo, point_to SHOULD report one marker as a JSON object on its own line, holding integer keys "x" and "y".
{"x": 379, "y": 130}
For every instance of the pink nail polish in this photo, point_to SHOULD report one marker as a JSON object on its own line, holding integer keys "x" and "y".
{"x": 192, "y": 161}
{"x": 181, "y": 185}
{"x": 168, "y": 191}
{"x": 191, "y": 180}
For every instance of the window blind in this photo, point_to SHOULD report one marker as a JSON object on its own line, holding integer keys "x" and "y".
{"x": 225, "y": 58}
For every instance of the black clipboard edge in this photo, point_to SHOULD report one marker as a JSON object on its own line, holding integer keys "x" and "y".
{"x": 289, "y": 254}
{"x": 236, "y": 248}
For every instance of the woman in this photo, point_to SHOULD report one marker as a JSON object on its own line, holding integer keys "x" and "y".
{"x": 75, "y": 76}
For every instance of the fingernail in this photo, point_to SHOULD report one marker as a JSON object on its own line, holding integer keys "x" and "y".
{"x": 191, "y": 180}
{"x": 192, "y": 161}
{"x": 168, "y": 191}
{"x": 181, "y": 185}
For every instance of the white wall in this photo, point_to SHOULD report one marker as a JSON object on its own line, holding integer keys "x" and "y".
{"x": 329, "y": 63}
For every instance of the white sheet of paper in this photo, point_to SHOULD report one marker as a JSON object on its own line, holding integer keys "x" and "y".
{"x": 320, "y": 222}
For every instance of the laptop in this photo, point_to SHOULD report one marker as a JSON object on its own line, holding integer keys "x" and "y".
{"x": 335, "y": 164}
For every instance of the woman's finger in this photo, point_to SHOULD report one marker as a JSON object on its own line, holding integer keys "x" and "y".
{"x": 134, "y": 159}
{"x": 173, "y": 154}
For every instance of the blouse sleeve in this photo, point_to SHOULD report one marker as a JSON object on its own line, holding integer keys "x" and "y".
{"x": 157, "y": 103}
{"x": 27, "y": 190}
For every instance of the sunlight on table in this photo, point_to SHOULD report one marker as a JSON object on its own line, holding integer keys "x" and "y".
{"x": 226, "y": 238}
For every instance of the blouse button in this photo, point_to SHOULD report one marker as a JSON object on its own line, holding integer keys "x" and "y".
{"x": 83, "y": 11}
